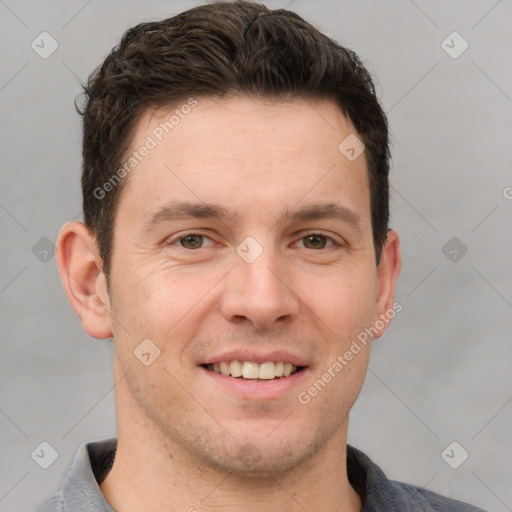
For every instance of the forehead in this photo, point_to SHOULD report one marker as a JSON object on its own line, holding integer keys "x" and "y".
{"x": 232, "y": 149}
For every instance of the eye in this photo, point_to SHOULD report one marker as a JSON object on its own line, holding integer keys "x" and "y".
{"x": 190, "y": 241}
{"x": 313, "y": 241}
{"x": 317, "y": 241}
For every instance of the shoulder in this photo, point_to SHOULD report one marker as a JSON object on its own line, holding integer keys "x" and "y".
{"x": 418, "y": 498}
{"x": 80, "y": 490}
{"x": 54, "y": 504}
{"x": 380, "y": 494}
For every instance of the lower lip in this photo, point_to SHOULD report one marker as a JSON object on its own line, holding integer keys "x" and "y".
{"x": 257, "y": 390}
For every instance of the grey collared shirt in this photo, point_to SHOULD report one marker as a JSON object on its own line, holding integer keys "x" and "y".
{"x": 80, "y": 491}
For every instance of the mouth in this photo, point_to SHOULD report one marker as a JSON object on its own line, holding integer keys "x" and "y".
{"x": 253, "y": 371}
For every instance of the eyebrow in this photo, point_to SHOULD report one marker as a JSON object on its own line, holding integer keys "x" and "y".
{"x": 183, "y": 210}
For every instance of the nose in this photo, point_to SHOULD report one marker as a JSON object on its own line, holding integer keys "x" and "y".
{"x": 259, "y": 293}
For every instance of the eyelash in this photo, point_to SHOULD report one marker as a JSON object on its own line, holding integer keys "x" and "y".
{"x": 194, "y": 233}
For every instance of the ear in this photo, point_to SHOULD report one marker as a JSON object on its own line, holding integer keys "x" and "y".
{"x": 388, "y": 270}
{"x": 80, "y": 269}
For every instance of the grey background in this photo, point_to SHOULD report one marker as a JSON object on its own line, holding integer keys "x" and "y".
{"x": 441, "y": 373}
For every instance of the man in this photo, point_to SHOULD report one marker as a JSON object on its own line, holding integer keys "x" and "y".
{"x": 236, "y": 248}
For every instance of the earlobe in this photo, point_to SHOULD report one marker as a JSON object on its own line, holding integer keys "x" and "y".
{"x": 388, "y": 271}
{"x": 83, "y": 279}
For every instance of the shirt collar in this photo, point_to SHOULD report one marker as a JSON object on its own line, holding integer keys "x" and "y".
{"x": 80, "y": 490}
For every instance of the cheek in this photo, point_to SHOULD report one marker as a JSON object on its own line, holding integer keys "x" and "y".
{"x": 167, "y": 306}
{"x": 345, "y": 301}
{"x": 345, "y": 305}
{"x": 149, "y": 304}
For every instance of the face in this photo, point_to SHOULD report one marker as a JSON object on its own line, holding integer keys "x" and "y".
{"x": 244, "y": 234}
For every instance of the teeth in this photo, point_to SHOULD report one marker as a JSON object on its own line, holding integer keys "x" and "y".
{"x": 235, "y": 369}
{"x": 224, "y": 368}
{"x": 252, "y": 370}
{"x": 267, "y": 370}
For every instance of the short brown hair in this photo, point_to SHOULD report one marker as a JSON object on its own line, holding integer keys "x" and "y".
{"x": 214, "y": 50}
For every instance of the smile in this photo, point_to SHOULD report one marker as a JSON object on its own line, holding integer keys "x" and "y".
{"x": 252, "y": 370}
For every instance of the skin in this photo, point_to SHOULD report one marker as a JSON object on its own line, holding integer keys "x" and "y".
{"x": 181, "y": 438}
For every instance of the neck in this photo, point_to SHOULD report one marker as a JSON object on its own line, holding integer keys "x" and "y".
{"x": 153, "y": 473}
{"x": 147, "y": 476}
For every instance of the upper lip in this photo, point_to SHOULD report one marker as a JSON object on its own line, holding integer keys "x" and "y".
{"x": 257, "y": 357}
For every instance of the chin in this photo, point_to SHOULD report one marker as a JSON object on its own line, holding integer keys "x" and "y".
{"x": 263, "y": 458}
